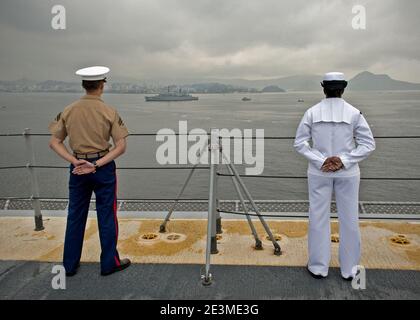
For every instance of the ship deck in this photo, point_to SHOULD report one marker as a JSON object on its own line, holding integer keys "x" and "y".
{"x": 32, "y": 280}
{"x": 169, "y": 267}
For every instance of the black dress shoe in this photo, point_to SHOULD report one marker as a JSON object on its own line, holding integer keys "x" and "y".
{"x": 124, "y": 264}
{"x": 313, "y": 275}
{"x": 73, "y": 273}
{"x": 348, "y": 278}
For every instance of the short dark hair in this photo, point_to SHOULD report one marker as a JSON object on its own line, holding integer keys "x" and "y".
{"x": 334, "y": 88}
{"x": 333, "y": 92}
{"x": 89, "y": 85}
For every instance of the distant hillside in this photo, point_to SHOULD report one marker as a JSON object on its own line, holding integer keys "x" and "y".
{"x": 215, "y": 87}
{"x": 369, "y": 81}
{"x": 272, "y": 89}
{"x": 293, "y": 83}
{"x": 364, "y": 81}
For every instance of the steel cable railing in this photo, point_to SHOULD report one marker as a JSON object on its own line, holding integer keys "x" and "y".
{"x": 207, "y": 134}
{"x": 190, "y": 167}
{"x": 119, "y": 199}
{"x": 206, "y": 167}
{"x": 304, "y": 177}
{"x": 35, "y": 194}
{"x": 382, "y": 217}
{"x": 119, "y": 168}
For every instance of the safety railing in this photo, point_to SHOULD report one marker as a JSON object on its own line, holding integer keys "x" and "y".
{"x": 35, "y": 199}
{"x": 231, "y": 209}
{"x": 245, "y": 207}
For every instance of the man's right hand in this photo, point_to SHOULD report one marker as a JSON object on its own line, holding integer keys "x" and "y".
{"x": 85, "y": 167}
{"x": 78, "y": 162}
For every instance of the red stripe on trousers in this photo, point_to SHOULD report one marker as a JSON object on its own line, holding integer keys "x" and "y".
{"x": 117, "y": 260}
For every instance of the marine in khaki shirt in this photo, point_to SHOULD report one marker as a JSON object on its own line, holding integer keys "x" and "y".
{"x": 90, "y": 124}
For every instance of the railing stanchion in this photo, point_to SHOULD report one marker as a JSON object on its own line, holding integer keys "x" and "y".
{"x": 258, "y": 243}
{"x": 34, "y": 181}
{"x": 219, "y": 229}
{"x": 162, "y": 228}
{"x": 211, "y": 222}
{"x": 215, "y": 213}
{"x": 215, "y": 146}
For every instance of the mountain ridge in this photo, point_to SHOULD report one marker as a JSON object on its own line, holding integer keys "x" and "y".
{"x": 363, "y": 81}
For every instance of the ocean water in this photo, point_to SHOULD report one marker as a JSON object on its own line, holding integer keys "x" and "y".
{"x": 388, "y": 113}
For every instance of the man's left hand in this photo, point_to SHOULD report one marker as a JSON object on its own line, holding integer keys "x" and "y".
{"x": 332, "y": 164}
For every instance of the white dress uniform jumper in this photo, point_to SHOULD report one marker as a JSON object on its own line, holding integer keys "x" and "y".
{"x": 335, "y": 128}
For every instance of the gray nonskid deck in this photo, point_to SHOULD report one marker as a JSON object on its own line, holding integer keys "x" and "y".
{"x": 32, "y": 280}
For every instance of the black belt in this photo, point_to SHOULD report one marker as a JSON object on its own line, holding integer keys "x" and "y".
{"x": 94, "y": 155}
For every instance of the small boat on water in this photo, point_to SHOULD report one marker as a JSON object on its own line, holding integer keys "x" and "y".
{"x": 301, "y": 100}
{"x": 246, "y": 99}
{"x": 171, "y": 96}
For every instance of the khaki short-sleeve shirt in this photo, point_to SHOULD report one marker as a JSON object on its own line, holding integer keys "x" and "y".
{"x": 89, "y": 123}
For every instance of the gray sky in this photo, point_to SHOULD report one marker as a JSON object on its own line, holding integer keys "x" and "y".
{"x": 166, "y": 39}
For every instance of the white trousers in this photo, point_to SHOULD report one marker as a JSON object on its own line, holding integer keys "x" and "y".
{"x": 346, "y": 191}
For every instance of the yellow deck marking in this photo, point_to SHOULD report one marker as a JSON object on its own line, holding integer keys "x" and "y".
{"x": 18, "y": 241}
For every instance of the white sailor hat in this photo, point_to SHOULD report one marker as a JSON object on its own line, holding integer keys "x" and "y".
{"x": 334, "y": 80}
{"x": 334, "y": 76}
{"x": 93, "y": 73}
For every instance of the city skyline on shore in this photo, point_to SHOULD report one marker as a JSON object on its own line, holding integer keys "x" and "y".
{"x": 363, "y": 81}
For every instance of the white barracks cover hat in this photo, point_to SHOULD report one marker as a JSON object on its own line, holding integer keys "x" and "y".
{"x": 93, "y": 73}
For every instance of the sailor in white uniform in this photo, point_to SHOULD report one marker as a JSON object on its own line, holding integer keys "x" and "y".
{"x": 334, "y": 136}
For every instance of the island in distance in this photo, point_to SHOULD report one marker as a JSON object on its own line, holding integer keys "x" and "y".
{"x": 272, "y": 89}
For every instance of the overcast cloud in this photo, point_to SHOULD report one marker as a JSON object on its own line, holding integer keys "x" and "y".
{"x": 161, "y": 39}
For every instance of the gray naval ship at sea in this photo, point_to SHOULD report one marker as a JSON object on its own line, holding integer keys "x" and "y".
{"x": 172, "y": 96}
